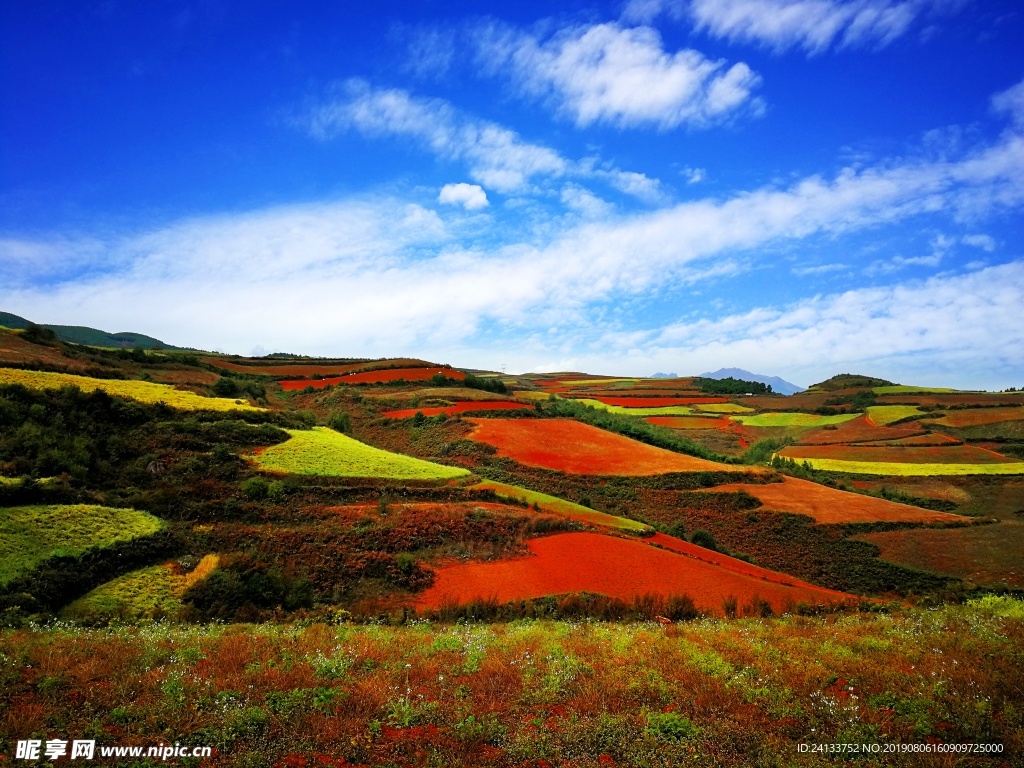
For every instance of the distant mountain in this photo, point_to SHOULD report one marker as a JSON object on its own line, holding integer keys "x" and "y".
{"x": 665, "y": 376}
{"x": 781, "y": 386}
{"x": 79, "y": 334}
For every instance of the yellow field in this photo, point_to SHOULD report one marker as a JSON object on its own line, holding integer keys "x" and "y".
{"x": 143, "y": 391}
{"x": 532, "y": 395}
{"x": 145, "y": 593}
{"x": 552, "y": 504}
{"x": 722, "y": 408}
{"x": 792, "y": 419}
{"x": 881, "y": 415}
{"x": 663, "y": 410}
{"x": 322, "y": 451}
{"x": 912, "y": 470}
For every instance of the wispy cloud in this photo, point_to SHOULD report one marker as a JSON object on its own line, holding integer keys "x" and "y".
{"x": 813, "y": 25}
{"x": 607, "y": 73}
{"x": 498, "y": 158}
{"x": 390, "y": 276}
{"x": 820, "y": 269}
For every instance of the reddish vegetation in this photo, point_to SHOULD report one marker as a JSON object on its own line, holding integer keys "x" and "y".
{"x": 487, "y": 405}
{"x": 689, "y": 422}
{"x": 372, "y": 377}
{"x": 653, "y": 402}
{"x": 570, "y": 446}
{"x": 859, "y": 430}
{"x": 623, "y": 568}
{"x": 827, "y": 505}
{"x": 13, "y": 349}
{"x": 310, "y": 370}
{"x": 953, "y": 454}
{"x": 980, "y": 416}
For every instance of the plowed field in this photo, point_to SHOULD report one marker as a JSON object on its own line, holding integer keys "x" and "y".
{"x": 827, "y": 505}
{"x": 570, "y": 446}
{"x": 859, "y": 430}
{"x": 577, "y": 562}
{"x": 954, "y": 454}
{"x": 372, "y": 377}
{"x": 980, "y": 416}
{"x": 493, "y": 405}
{"x": 688, "y": 422}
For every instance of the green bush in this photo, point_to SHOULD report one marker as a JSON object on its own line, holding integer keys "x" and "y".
{"x": 671, "y": 726}
{"x": 255, "y": 489}
{"x": 704, "y": 538}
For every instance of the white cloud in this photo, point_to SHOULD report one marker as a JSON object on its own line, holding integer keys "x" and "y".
{"x": 1011, "y": 101}
{"x": 694, "y": 175}
{"x": 968, "y": 320}
{"x": 388, "y": 276}
{"x": 604, "y": 73}
{"x": 819, "y": 269}
{"x": 985, "y": 242}
{"x": 813, "y": 25}
{"x": 585, "y": 202}
{"x": 469, "y": 196}
{"x": 498, "y": 158}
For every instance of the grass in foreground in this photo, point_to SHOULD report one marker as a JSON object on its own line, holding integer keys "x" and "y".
{"x": 143, "y": 391}
{"x": 322, "y": 451}
{"x": 704, "y": 693}
{"x": 31, "y": 535}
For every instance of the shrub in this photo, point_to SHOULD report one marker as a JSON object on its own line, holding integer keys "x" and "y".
{"x": 340, "y": 422}
{"x": 704, "y": 538}
{"x": 255, "y": 489}
{"x": 671, "y": 726}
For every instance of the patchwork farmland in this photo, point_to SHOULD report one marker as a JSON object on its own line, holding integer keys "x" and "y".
{"x": 400, "y": 562}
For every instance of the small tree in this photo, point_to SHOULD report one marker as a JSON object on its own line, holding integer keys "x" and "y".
{"x": 706, "y": 539}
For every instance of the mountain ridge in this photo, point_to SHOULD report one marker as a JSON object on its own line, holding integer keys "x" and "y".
{"x": 779, "y": 385}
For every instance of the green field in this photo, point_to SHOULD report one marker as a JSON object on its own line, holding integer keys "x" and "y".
{"x": 887, "y": 414}
{"x": 31, "y": 535}
{"x": 143, "y": 391}
{"x": 562, "y": 507}
{"x": 140, "y": 594}
{"x": 722, "y": 408}
{"x": 322, "y": 451}
{"x": 664, "y": 410}
{"x": 902, "y": 469}
{"x": 792, "y": 419}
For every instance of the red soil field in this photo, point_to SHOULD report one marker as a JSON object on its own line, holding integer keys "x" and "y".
{"x": 570, "y": 446}
{"x": 492, "y": 405}
{"x": 954, "y": 454}
{"x": 13, "y": 349}
{"x": 980, "y": 416}
{"x": 623, "y": 568}
{"x": 859, "y": 430}
{"x": 309, "y": 370}
{"x": 829, "y": 506}
{"x": 653, "y": 402}
{"x": 689, "y": 422}
{"x": 371, "y": 377}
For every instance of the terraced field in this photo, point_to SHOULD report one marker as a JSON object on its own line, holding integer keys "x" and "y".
{"x": 374, "y": 377}
{"x": 322, "y": 451}
{"x": 668, "y": 410}
{"x": 792, "y": 419}
{"x": 31, "y": 535}
{"x": 570, "y": 446}
{"x": 143, "y": 391}
{"x": 562, "y": 507}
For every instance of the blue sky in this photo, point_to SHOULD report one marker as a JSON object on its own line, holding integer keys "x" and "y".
{"x": 795, "y": 187}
